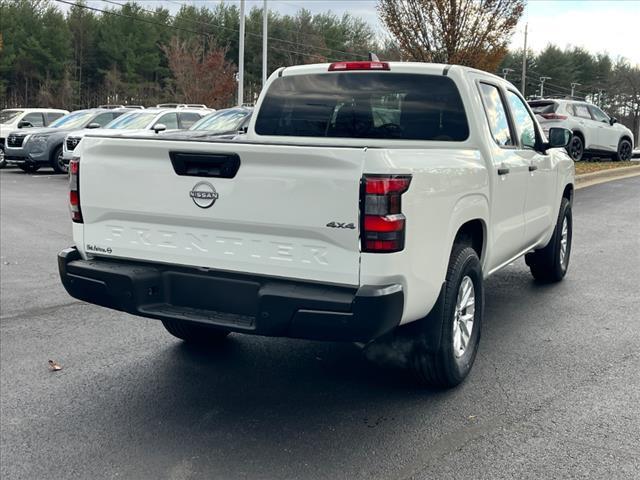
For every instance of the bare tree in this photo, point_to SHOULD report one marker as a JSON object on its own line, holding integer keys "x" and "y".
{"x": 467, "y": 32}
{"x": 201, "y": 73}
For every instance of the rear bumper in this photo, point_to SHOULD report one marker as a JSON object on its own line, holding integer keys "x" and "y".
{"x": 238, "y": 302}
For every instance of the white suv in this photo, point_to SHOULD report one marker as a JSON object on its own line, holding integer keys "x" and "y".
{"x": 594, "y": 132}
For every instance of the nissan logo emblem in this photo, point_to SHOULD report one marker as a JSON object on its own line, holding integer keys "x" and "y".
{"x": 203, "y": 194}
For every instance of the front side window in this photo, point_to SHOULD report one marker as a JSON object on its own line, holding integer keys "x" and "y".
{"x": 169, "y": 120}
{"x": 599, "y": 115}
{"x": 524, "y": 123}
{"x": 496, "y": 115}
{"x": 34, "y": 118}
{"x": 373, "y": 105}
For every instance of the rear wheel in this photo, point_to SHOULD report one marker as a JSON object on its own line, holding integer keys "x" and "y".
{"x": 194, "y": 333}
{"x": 576, "y": 148}
{"x": 57, "y": 163}
{"x": 460, "y": 317}
{"x": 550, "y": 263}
{"x": 29, "y": 167}
{"x": 624, "y": 151}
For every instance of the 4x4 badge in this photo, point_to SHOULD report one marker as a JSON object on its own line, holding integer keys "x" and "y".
{"x": 203, "y": 194}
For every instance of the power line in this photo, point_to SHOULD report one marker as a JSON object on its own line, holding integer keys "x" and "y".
{"x": 317, "y": 47}
{"x": 164, "y": 25}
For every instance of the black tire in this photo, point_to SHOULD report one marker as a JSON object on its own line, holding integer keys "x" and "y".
{"x": 3, "y": 161}
{"x": 29, "y": 167}
{"x": 548, "y": 264}
{"x": 194, "y": 333}
{"x": 443, "y": 367}
{"x": 575, "y": 149}
{"x": 625, "y": 151}
{"x": 56, "y": 161}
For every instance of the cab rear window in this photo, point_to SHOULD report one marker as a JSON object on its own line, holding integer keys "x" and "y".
{"x": 376, "y": 105}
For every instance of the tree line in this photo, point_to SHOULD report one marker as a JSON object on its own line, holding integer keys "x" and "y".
{"x": 125, "y": 53}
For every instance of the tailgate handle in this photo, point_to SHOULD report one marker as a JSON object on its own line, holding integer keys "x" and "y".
{"x": 220, "y": 165}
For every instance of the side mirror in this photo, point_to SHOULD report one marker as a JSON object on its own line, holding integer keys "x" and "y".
{"x": 24, "y": 124}
{"x": 612, "y": 120}
{"x": 559, "y": 137}
{"x": 94, "y": 125}
{"x": 159, "y": 127}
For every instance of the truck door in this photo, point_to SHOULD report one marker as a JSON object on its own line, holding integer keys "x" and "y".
{"x": 509, "y": 179}
{"x": 539, "y": 214}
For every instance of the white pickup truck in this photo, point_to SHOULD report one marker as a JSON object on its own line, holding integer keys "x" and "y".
{"x": 367, "y": 202}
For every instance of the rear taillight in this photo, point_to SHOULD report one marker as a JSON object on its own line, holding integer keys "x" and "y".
{"x": 343, "y": 66}
{"x": 553, "y": 116}
{"x": 74, "y": 190}
{"x": 383, "y": 224}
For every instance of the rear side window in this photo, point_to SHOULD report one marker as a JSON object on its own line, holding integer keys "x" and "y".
{"x": 104, "y": 118}
{"x": 187, "y": 119}
{"x": 569, "y": 108}
{"x": 496, "y": 114}
{"x": 364, "y": 105}
{"x": 51, "y": 116}
{"x": 582, "y": 111}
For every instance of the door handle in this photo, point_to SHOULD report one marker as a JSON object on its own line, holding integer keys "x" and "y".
{"x": 503, "y": 171}
{"x": 533, "y": 168}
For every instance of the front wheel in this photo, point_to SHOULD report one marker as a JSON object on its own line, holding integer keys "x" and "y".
{"x": 576, "y": 148}
{"x": 57, "y": 163}
{"x": 194, "y": 333}
{"x": 3, "y": 162}
{"x": 624, "y": 151}
{"x": 460, "y": 317}
{"x": 550, "y": 264}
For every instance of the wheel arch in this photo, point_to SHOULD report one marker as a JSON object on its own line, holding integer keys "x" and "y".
{"x": 470, "y": 220}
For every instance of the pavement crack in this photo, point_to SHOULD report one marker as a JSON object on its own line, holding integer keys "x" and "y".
{"x": 37, "y": 312}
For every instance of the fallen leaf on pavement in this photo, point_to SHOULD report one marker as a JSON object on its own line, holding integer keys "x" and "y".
{"x": 54, "y": 366}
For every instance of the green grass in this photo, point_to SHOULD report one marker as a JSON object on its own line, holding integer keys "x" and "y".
{"x": 590, "y": 167}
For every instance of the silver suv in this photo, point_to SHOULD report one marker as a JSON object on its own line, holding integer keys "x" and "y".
{"x": 594, "y": 132}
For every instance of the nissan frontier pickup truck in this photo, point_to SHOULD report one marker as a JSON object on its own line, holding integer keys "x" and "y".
{"x": 368, "y": 202}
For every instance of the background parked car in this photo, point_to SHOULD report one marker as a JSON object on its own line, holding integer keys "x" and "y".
{"x": 38, "y": 147}
{"x": 150, "y": 119}
{"x": 16, "y": 118}
{"x": 227, "y": 123}
{"x": 594, "y": 132}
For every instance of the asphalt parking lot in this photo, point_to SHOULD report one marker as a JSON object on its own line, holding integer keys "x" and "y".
{"x": 555, "y": 391}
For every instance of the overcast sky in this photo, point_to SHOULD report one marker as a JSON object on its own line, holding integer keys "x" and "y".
{"x": 611, "y": 26}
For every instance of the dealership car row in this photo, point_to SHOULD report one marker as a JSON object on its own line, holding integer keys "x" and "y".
{"x": 32, "y": 138}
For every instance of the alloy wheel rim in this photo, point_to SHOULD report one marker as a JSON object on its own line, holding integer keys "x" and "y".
{"x": 564, "y": 242}
{"x": 464, "y": 317}
{"x": 61, "y": 164}
{"x": 576, "y": 148}
{"x": 625, "y": 151}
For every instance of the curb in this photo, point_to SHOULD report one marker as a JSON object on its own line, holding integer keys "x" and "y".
{"x": 588, "y": 179}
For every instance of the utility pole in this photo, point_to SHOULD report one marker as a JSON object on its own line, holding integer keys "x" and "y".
{"x": 265, "y": 19}
{"x": 241, "y": 57}
{"x": 523, "y": 85}
{"x": 506, "y": 71}
{"x": 542, "y": 80}
{"x": 573, "y": 87}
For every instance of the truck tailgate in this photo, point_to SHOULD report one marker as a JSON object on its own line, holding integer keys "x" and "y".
{"x": 169, "y": 202}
